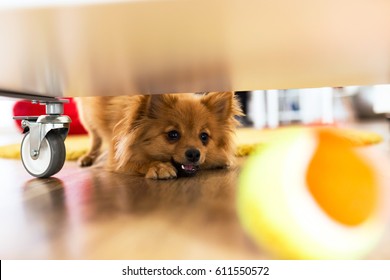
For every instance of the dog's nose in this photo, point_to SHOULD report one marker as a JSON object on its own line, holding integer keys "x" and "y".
{"x": 193, "y": 155}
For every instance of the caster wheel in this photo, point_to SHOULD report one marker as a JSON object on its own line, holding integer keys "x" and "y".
{"x": 51, "y": 155}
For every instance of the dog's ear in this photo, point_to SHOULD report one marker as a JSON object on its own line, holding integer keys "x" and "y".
{"x": 222, "y": 104}
{"x": 157, "y": 103}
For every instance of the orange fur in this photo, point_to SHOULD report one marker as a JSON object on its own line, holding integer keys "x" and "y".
{"x": 136, "y": 129}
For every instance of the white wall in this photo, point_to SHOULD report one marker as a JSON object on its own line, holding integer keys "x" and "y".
{"x": 381, "y": 98}
{"x": 9, "y": 133}
{"x": 6, "y": 106}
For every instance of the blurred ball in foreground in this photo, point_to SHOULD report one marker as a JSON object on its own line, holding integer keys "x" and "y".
{"x": 311, "y": 195}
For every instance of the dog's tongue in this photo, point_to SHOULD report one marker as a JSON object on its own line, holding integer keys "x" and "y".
{"x": 188, "y": 167}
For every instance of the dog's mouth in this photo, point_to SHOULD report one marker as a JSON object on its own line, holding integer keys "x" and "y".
{"x": 185, "y": 170}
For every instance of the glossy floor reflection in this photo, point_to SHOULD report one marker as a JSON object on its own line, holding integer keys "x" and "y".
{"x": 90, "y": 213}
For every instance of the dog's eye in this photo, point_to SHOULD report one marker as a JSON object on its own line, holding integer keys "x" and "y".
{"x": 173, "y": 135}
{"x": 204, "y": 137}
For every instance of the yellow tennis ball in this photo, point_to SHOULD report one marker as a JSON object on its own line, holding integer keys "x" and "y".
{"x": 311, "y": 195}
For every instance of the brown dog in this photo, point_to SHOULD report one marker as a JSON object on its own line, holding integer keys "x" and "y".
{"x": 162, "y": 136}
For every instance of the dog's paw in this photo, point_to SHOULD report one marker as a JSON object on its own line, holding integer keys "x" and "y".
{"x": 85, "y": 161}
{"x": 161, "y": 170}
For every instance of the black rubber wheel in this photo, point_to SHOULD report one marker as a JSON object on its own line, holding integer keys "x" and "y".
{"x": 51, "y": 155}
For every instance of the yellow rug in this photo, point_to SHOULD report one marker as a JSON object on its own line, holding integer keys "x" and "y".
{"x": 248, "y": 140}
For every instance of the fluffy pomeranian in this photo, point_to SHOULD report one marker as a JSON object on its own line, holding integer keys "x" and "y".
{"x": 161, "y": 136}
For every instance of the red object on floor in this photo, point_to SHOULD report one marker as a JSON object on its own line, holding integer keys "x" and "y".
{"x": 26, "y": 108}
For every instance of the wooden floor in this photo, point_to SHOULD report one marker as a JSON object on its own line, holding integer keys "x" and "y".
{"x": 93, "y": 214}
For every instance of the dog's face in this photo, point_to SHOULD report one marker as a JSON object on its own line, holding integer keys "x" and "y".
{"x": 190, "y": 131}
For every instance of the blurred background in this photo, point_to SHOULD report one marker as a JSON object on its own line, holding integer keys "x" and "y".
{"x": 341, "y": 105}
{"x": 366, "y": 106}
